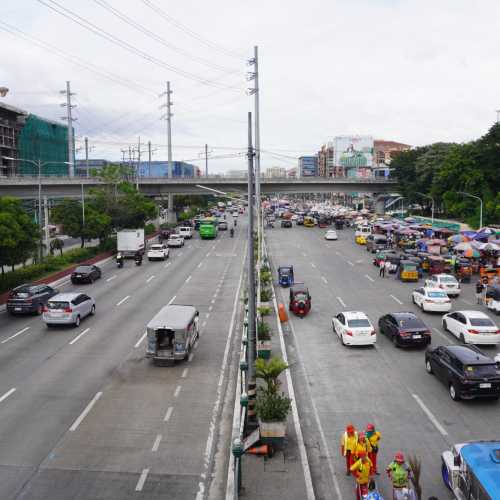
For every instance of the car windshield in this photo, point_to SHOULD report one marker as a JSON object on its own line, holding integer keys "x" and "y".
{"x": 83, "y": 269}
{"x": 481, "y": 322}
{"x": 437, "y": 295}
{"x": 358, "y": 323}
{"x": 56, "y": 306}
{"x": 481, "y": 370}
{"x": 448, "y": 279}
{"x": 24, "y": 291}
{"x": 156, "y": 247}
{"x": 300, "y": 296}
{"x": 410, "y": 323}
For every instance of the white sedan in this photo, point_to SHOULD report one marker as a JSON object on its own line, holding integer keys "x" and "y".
{"x": 472, "y": 327}
{"x": 446, "y": 282}
{"x": 354, "y": 328}
{"x": 431, "y": 299}
{"x": 175, "y": 240}
{"x": 331, "y": 235}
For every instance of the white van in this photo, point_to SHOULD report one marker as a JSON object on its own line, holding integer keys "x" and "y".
{"x": 186, "y": 232}
{"x": 363, "y": 230}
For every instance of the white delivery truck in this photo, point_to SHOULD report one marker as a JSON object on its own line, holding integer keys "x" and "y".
{"x": 129, "y": 242}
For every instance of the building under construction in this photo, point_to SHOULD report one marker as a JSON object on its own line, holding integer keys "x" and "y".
{"x": 30, "y": 137}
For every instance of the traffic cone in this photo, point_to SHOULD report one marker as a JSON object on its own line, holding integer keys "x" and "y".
{"x": 258, "y": 450}
{"x": 282, "y": 313}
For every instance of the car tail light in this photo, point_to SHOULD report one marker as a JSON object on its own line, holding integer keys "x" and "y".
{"x": 473, "y": 331}
{"x": 45, "y": 309}
{"x": 405, "y": 334}
{"x": 348, "y": 332}
{"x": 373, "y": 332}
{"x": 426, "y": 333}
{"x": 68, "y": 310}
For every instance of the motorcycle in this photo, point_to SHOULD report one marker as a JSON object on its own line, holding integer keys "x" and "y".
{"x": 138, "y": 261}
{"x": 119, "y": 261}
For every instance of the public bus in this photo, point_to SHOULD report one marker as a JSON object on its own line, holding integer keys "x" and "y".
{"x": 472, "y": 470}
{"x": 208, "y": 228}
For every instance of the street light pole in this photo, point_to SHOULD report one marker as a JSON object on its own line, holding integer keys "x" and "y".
{"x": 480, "y": 206}
{"x": 432, "y": 199}
{"x": 39, "y": 163}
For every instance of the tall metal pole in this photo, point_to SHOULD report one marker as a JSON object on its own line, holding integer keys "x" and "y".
{"x": 149, "y": 158}
{"x": 71, "y": 146}
{"x": 83, "y": 206}
{"x": 169, "y": 131}
{"x": 40, "y": 205}
{"x": 206, "y": 160}
{"x": 257, "y": 148}
{"x": 138, "y": 163}
{"x": 87, "y": 156}
{"x": 46, "y": 217}
{"x": 251, "y": 281}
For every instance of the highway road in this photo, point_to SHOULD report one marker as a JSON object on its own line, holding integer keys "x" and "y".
{"x": 390, "y": 387}
{"x": 83, "y": 413}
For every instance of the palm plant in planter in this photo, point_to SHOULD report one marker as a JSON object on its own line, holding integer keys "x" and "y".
{"x": 272, "y": 406}
{"x": 264, "y": 333}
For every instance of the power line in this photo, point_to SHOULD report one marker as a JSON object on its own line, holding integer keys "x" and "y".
{"x": 191, "y": 32}
{"x": 158, "y": 38}
{"x": 89, "y": 26}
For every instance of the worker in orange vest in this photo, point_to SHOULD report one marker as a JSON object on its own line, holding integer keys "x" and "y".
{"x": 348, "y": 446}
{"x": 373, "y": 437}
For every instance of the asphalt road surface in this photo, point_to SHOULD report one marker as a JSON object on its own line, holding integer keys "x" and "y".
{"x": 83, "y": 413}
{"x": 385, "y": 385}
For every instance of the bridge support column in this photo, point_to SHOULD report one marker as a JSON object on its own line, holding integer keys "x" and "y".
{"x": 171, "y": 217}
{"x": 380, "y": 206}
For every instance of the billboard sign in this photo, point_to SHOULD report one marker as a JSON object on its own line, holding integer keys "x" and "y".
{"x": 354, "y": 152}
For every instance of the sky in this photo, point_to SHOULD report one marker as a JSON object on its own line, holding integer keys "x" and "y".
{"x": 414, "y": 71}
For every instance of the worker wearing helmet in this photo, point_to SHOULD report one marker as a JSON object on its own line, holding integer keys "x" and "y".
{"x": 348, "y": 446}
{"x": 373, "y": 437}
{"x": 362, "y": 472}
{"x": 398, "y": 471}
{"x": 363, "y": 445}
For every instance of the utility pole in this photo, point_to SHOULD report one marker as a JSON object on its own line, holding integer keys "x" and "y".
{"x": 168, "y": 117}
{"x": 138, "y": 163}
{"x": 149, "y": 158}
{"x": 251, "y": 283}
{"x": 123, "y": 151}
{"x": 206, "y": 160}
{"x": 69, "y": 118}
{"x": 46, "y": 217}
{"x": 87, "y": 156}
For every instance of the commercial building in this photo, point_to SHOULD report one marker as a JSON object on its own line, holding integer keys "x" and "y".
{"x": 94, "y": 164}
{"x": 383, "y": 153}
{"x": 238, "y": 174}
{"x": 275, "y": 172}
{"x": 292, "y": 172}
{"x": 27, "y": 136}
{"x": 159, "y": 168}
{"x": 326, "y": 160}
{"x": 308, "y": 166}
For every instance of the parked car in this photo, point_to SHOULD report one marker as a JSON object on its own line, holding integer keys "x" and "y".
{"x": 68, "y": 309}
{"x": 223, "y": 225}
{"x": 175, "y": 240}
{"x": 158, "y": 251}
{"x": 29, "y": 298}
{"x": 446, "y": 282}
{"x": 331, "y": 235}
{"x": 186, "y": 232}
{"x": 431, "y": 299}
{"x": 471, "y": 327}
{"x": 354, "y": 328}
{"x": 466, "y": 371}
{"x": 404, "y": 329}
{"x": 286, "y": 223}
{"x": 376, "y": 242}
{"x": 85, "y": 274}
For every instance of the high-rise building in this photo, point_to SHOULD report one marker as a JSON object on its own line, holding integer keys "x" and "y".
{"x": 308, "y": 166}
{"x": 275, "y": 172}
{"x": 326, "y": 160}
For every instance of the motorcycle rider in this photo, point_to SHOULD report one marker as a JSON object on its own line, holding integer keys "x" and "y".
{"x": 119, "y": 259}
{"x": 138, "y": 259}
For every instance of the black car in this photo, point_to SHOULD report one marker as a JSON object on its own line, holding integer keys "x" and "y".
{"x": 286, "y": 223}
{"x": 85, "y": 274}
{"x": 466, "y": 371}
{"x": 404, "y": 329}
{"x": 29, "y": 298}
{"x": 300, "y": 220}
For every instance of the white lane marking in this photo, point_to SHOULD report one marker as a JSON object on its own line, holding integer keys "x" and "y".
{"x": 188, "y": 279}
{"x": 204, "y": 324}
{"x": 304, "y": 254}
{"x": 150, "y": 278}
{"x": 64, "y": 283}
{"x": 177, "y": 391}
{"x": 210, "y": 308}
{"x": 341, "y": 301}
{"x": 168, "y": 414}
{"x": 213, "y": 247}
{"x": 350, "y": 263}
{"x": 111, "y": 278}
{"x": 369, "y": 278}
{"x": 15, "y": 334}
{"x": 313, "y": 264}
{"x": 325, "y": 280}
{"x": 200, "y": 264}
{"x": 190, "y": 358}
{"x": 7, "y": 394}
{"x": 139, "y": 342}
{"x": 172, "y": 299}
{"x": 396, "y": 299}
{"x": 212, "y": 301}
{"x": 85, "y": 412}
{"x": 207, "y": 315}
{"x": 123, "y": 300}
{"x": 79, "y": 336}
{"x": 142, "y": 480}
{"x": 430, "y": 415}
{"x": 208, "y": 254}
{"x": 441, "y": 333}
{"x": 157, "y": 442}
{"x": 184, "y": 373}
{"x": 167, "y": 264}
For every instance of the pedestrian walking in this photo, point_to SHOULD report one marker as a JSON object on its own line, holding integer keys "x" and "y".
{"x": 479, "y": 291}
{"x": 387, "y": 267}
{"x": 381, "y": 268}
{"x": 348, "y": 446}
{"x": 373, "y": 437}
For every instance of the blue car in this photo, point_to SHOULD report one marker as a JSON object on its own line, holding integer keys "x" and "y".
{"x": 285, "y": 276}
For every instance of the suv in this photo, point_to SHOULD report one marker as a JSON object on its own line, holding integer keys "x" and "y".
{"x": 158, "y": 251}
{"x": 29, "y": 298}
{"x": 68, "y": 309}
{"x": 175, "y": 240}
{"x": 466, "y": 371}
{"x": 186, "y": 232}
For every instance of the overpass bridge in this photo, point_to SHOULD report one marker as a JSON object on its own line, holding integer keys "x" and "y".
{"x": 159, "y": 187}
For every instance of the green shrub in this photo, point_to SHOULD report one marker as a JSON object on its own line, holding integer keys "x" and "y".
{"x": 265, "y": 295}
{"x": 265, "y": 277}
{"x": 149, "y": 228}
{"x": 264, "y": 310}
{"x": 108, "y": 245}
{"x": 272, "y": 407}
{"x": 264, "y": 331}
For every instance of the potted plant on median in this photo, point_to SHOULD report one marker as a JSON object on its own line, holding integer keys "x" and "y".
{"x": 272, "y": 405}
{"x": 264, "y": 333}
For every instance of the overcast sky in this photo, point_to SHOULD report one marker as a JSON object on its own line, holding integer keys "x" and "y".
{"x": 415, "y": 71}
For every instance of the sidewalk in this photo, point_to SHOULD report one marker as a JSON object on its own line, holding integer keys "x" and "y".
{"x": 284, "y": 475}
